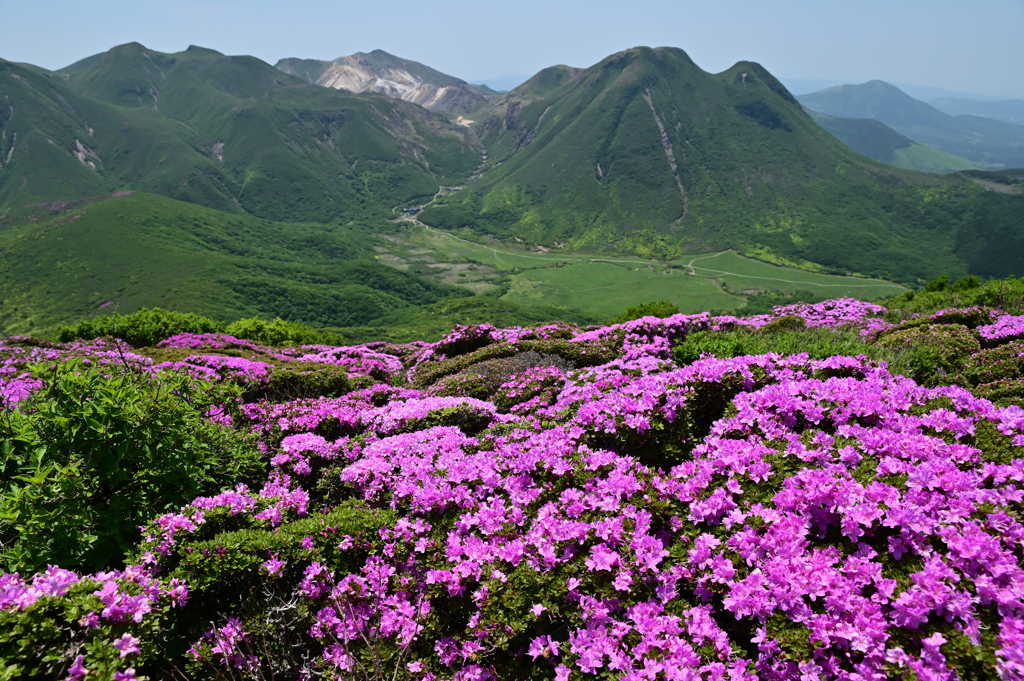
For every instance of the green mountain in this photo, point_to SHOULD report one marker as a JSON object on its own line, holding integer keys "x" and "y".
{"x": 258, "y": 193}
{"x": 646, "y": 153}
{"x": 231, "y": 133}
{"x": 393, "y": 76}
{"x": 874, "y": 139}
{"x": 983, "y": 140}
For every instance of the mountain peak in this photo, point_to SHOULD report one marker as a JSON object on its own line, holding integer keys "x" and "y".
{"x": 384, "y": 73}
{"x": 197, "y": 51}
{"x": 990, "y": 142}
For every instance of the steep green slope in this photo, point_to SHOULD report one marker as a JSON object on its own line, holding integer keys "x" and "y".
{"x": 983, "y": 140}
{"x": 648, "y": 154}
{"x": 874, "y": 139}
{"x": 231, "y": 133}
{"x": 39, "y": 133}
{"x": 65, "y": 262}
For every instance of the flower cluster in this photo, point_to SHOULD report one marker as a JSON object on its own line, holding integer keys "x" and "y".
{"x": 830, "y": 313}
{"x": 220, "y": 368}
{"x": 114, "y": 601}
{"x": 17, "y": 354}
{"x": 1005, "y": 328}
{"x": 757, "y": 517}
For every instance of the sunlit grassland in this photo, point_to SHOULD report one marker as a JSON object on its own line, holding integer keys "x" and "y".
{"x": 66, "y": 262}
{"x": 608, "y": 288}
{"x": 606, "y": 285}
{"x": 742, "y": 273}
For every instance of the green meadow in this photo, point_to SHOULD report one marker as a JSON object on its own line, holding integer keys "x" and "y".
{"x": 605, "y": 286}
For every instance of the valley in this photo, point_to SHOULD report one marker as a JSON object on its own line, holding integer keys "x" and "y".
{"x": 349, "y": 369}
{"x": 583, "y": 191}
{"x": 603, "y": 286}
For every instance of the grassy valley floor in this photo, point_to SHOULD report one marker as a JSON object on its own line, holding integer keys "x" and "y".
{"x": 604, "y": 286}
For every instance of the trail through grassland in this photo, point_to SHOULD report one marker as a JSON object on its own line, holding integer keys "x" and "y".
{"x": 605, "y": 286}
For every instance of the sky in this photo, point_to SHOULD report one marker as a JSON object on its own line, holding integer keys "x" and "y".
{"x": 959, "y": 45}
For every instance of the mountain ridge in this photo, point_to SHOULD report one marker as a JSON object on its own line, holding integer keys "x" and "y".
{"x": 231, "y": 133}
{"x": 983, "y": 140}
{"x": 643, "y": 153}
{"x": 674, "y": 159}
{"x": 874, "y": 139}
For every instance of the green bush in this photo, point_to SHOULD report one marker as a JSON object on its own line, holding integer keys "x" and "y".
{"x": 223, "y": 564}
{"x": 43, "y": 640}
{"x": 657, "y": 308}
{"x": 1005, "y": 294}
{"x": 996, "y": 373}
{"x": 937, "y": 351}
{"x": 140, "y": 329}
{"x": 96, "y": 453}
{"x": 783, "y": 336}
{"x": 279, "y": 332}
{"x": 782, "y": 324}
{"x": 301, "y": 380}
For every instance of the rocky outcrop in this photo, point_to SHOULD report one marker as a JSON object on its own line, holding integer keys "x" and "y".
{"x": 394, "y": 77}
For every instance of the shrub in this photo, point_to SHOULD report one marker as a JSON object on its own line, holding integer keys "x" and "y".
{"x": 657, "y": 308}
{"x": 144, "y": 328}
{"x": 278, "y": 332}
{"x": 236, "y": 563}
{"x": 483, "y": 379}
{"x": 997, "y": 373}
{"x": 94, "y": 453}
{"x": 301, "y": 380}
{"x": 790, "y": 322}
{"x": 787, "y": 338}
{"x": 936, "y": 351}
{"x": 66, "y": 626}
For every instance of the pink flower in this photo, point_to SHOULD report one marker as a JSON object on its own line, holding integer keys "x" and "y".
{"x": 78, "y": 669}
{"x": 127, "y": 645}
{"x": 273, "y": 566}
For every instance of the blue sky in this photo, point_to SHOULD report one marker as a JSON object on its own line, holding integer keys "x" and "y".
{"x": 973, "y": 47}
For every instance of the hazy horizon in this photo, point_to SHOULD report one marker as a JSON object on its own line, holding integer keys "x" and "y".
{"x": 937, "y": 44}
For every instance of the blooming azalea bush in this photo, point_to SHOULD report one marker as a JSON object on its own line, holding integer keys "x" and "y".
{"x": 680, "y": 497}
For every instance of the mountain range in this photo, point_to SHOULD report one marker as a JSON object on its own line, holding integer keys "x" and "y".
{"x": 874, "y": 139}
{"x": 995, "y": 143}
{"x": 643, "y": 153}
{"x": 231, "y": 133}
{"x": 1006, "y": 110}
{"x": 647, "y": 153}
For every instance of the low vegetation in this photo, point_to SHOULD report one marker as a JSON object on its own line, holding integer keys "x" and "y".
{"x": 547, "y": 501}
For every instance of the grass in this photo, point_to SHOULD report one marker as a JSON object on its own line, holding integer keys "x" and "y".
{"x": 747, "y": 274}
{"x": 925, "y": 159}
{"x": 67, "y": 262}
{"x": 608, "y": 288}
{"x": 604, "y": 286}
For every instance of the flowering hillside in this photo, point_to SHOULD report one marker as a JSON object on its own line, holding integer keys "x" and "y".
{"x": 830, "y": 491}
